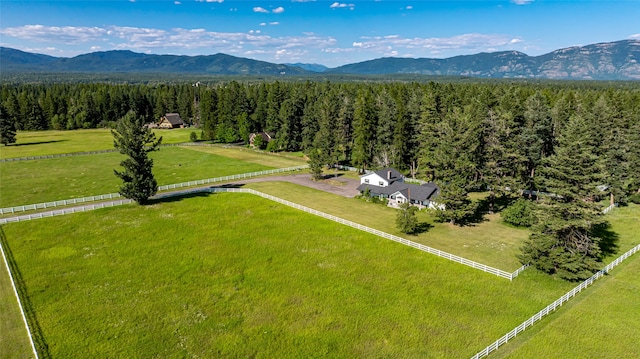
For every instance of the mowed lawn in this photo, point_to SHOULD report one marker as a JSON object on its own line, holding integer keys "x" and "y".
{"x": 490, "y": 242}
{"x": 235, "y": 275}
{"x": 42, "y": 143}
{"x": 44, "y": 180}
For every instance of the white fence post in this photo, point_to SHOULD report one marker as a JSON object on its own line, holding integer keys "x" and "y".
{"x": 553, "y": 306}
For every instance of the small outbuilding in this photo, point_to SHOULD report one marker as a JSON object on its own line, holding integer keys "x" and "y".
{"x": 171, "y": 120}
{"x": 265, "y": 137}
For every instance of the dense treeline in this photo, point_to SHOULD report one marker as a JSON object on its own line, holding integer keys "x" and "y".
{"x": 495, "y": 133}
{"x": 567, "y": 140}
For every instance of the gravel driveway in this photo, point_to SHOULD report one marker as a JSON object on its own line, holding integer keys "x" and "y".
{"x": 346, "y": 187}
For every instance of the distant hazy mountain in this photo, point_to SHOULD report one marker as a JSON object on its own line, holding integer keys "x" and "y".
{"x": 309, "y": 67}
{"x": 127, "y": 61}
{"x": 606, "y": 61}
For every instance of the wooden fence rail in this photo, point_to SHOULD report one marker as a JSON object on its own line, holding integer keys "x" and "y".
{"x": 553, "y": 306}
{"x": 72, "y": 201}
{"x": 437, "y": 252}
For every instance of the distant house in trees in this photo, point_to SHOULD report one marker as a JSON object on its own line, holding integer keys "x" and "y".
{"x": 389, "y": 184}
{"x": 265, "y": 137}
{"x": 171, "y": 120}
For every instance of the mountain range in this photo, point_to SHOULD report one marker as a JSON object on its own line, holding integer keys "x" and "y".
{"x": 618, "y": 60}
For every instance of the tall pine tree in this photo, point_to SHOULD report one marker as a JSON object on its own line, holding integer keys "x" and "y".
{"x": 565, "y": 240}
{"x": 136, "y": 141}
{"x": 7, "y": 129}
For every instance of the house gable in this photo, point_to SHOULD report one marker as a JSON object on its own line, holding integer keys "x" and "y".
{"x": 382, "y": 178}
{"x": 266, "y": 137}
{"x": 171, "y": 120}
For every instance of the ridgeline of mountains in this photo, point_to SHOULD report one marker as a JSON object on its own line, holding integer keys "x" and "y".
{"x": 618, "y": 60}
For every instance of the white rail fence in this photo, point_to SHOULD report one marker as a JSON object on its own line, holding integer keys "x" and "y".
{"x": 15, "y": 292}
{"x": 609, "y": 209}
{"x": 72, "y": 201}
{"x": 553, "y": 306}
{"x": 231, "y": 178}
{"x": 437, "y": 252}
{"x": 58, "y": 155}
{"x": 84, "y": 153}
{"x": 63, "y": 211}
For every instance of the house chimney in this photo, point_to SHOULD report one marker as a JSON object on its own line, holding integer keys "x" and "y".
{"x": 389, "y": 174}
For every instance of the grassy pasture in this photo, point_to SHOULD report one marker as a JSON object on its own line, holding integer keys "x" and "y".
{"x": 14, "y": 342}
{"x": 40, "y": 143}
{"x": 52, "y": 179}
{"x": 249, "y": 155}
{"x": 235, "y": 275}
{"x": 599, "y": 323}
{"x": 490, "y": 242}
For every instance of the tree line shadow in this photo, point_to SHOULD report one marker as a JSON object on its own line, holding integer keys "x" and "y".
{"x": 35, "y": 143}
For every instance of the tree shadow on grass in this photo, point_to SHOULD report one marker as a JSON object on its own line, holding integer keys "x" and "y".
{"x": 608, "y": 239}
{"x": 483, "y": 206}
{"x": 422, "y": 228}
{"x": 36, "y": 143}
{"x": 190, "y": 193}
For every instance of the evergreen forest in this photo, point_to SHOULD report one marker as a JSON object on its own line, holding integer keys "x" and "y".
{"x": 569, "y": 146}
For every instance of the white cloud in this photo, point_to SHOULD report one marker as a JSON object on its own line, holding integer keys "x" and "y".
{"x": 218, "y": 1}
{"x": 635, "y": 36}
{"x": 65, "y": 34}
{"x": 260, "y": 9}
{"x": 522, "y": 2}
{"x": 337, "y": 5}
{"x": 177, "y": 2}
{"x": 177, "y": 40}
{"x": 409, "y": 7}
{"x": 278, "y": 10}
{"x": 263, "y": 24}
{"x": 391, "y": 44}
{"x": 274, "y": 23}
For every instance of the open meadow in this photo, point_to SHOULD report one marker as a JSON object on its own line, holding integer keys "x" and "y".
{"x": 14, "y": 342}
{"x": 600, "y": 323}
{"x": 235, "y": 275}
{"x": 37, "y": 181}
{"x": 43, "y": 143}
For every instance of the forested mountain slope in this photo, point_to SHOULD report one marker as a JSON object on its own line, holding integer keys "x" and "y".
{"x": 606, "y": 61}
{"x": 132, "y": 62}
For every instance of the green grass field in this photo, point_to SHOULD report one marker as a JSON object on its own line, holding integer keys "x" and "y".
{"x": 236, "y": 275}
{"x": 41, "y": 143}
{"x": 489, "y": 242}
{"x": 14, "y": 342}
{"x": 44, "y": 180}
{"x": 52, "y": 179}
{"x": 602, "y": 322}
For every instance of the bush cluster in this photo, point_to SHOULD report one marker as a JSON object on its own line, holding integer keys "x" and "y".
{"x": 520, "y": 213}
{"x": 634, "y": 198}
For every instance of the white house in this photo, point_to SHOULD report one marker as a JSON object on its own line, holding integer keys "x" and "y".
{"x": 389, "y": 183}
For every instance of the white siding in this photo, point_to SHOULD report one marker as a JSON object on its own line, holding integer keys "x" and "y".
{"x": 374, "y": 180}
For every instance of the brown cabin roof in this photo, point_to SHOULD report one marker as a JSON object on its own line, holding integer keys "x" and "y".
{"x": 174, "y": 119}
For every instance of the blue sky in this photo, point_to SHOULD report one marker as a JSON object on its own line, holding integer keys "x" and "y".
{"x": 331, "y": 33}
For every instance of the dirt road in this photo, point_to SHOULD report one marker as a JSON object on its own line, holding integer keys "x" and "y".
{"x": 346, "y": 187}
